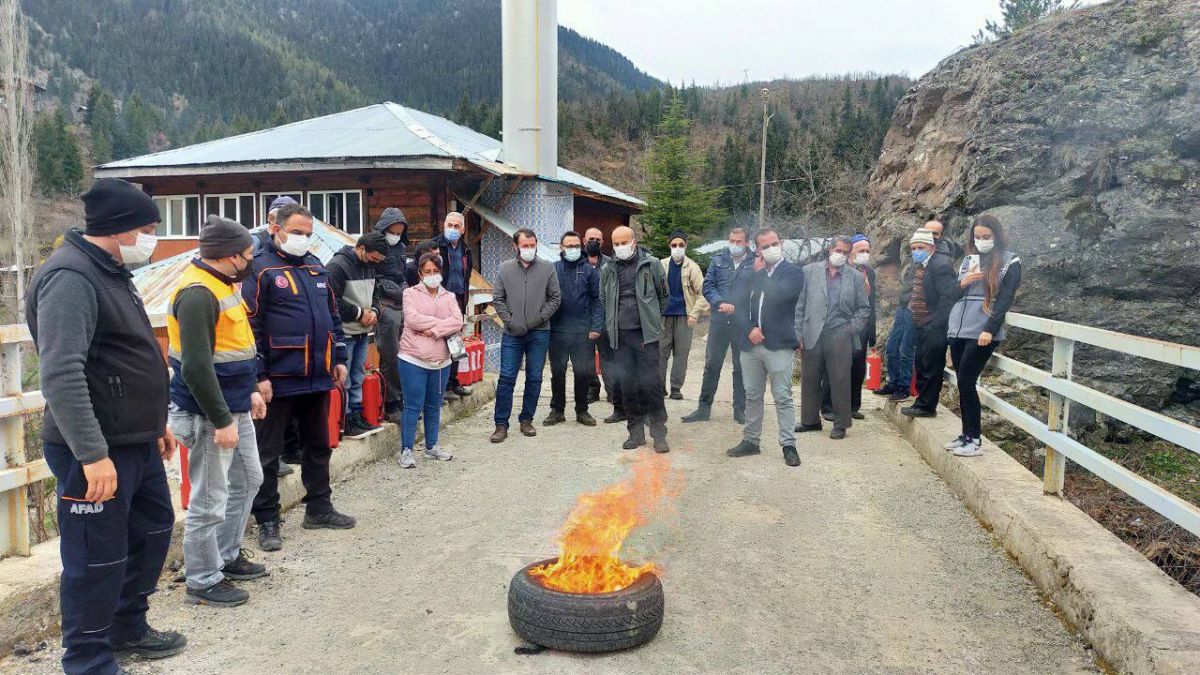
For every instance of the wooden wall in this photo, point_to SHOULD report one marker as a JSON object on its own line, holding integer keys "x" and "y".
{"x": 595, "y": 213}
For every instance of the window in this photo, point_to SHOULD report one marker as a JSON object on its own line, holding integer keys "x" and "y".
{"x": 239, "y": 207}
{"x": 341, "y": 209}
{"x": 265, "y": 198}
{"x": 178, "y": 216}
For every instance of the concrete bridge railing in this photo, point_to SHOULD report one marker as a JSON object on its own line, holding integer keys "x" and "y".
{"x": 1063, "y": 391}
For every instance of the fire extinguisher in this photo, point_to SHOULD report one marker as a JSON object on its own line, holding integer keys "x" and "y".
{"x": 874, "y": 379}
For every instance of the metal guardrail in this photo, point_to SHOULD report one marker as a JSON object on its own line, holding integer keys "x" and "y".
{"x": 15, "y": 471}
{"x": 1054, "y": 433}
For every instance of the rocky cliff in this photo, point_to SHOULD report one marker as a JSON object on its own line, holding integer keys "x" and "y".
{"x": 1082, "y": 134}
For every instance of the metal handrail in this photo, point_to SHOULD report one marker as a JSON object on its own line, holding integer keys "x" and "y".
{"x": 1054, "y": 433}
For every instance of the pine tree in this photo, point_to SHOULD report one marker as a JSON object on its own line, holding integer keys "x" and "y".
{"x": 58, "y": 164}
{"x": 676, "y": 200}
{"x": 1017, "y": 14}
{"x": 101, "y": 119}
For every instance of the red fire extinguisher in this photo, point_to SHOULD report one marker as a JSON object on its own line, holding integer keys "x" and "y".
{"x": 874, "y": 379}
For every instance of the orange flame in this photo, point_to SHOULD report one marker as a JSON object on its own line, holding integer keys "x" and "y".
{"x": 594, "y": 533}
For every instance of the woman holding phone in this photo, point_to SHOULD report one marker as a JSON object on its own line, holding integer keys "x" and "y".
{"x": 431, "y": 315}
{"x": 989, "y": 277}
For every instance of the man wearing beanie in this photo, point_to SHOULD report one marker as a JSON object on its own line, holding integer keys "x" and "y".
{"x": 935, "y": 290}
{"x": 105, "y": 432}
{"x": 686, "y": 303}
{"x": 214, "y": 400}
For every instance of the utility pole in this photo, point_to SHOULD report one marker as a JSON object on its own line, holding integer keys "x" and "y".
{"x": 762, "y": 172}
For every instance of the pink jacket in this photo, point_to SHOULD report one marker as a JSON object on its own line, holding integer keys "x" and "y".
{"x": 436, "y": 313}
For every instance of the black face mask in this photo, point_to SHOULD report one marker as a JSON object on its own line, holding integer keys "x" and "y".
{"x": 592, "y": 249}
{"x": 241, "y": 274}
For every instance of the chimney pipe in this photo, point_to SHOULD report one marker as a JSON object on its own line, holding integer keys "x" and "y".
{"x": 529, "y": 30}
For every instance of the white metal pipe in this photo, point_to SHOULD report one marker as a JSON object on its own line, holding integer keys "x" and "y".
{"x": 529, "y": 33}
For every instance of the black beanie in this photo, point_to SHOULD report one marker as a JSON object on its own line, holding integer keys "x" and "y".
{"x": 222, "y": 237}
{"x": 677, "y": 234}
{"x": 113, "y": 206}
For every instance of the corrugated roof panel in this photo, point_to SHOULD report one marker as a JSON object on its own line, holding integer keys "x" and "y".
{"x": 386, "y": 130}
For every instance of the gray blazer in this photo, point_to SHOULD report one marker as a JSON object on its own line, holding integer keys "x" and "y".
{"x": 811, "y": 308}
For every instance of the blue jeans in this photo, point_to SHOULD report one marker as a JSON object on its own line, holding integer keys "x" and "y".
{"x": 531, "y": 347}
{"x": 423, "y": 391}
{"x": 901, "y": 350}
{"x": 357, "y": 346}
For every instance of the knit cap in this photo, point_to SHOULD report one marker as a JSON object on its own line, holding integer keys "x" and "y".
{"x": 113, "y": 206}
{"x": 222, "y": 237}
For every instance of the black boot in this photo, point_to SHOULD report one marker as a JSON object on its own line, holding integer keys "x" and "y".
{"x": 633, "y": 443}
{"x": 269, "y": 537}
{"x": 702, "y": 414}
{"x": 660, "y": 446}
{"x": 743, "y": 449}
{"x": 154, "y": 644}
{"x": 555, "y": 417}
{"x": 790, "y": 456}
{"x": 615, "y": 418}
{"x": 328, "y": 521}
{"x": 241, "y": 569}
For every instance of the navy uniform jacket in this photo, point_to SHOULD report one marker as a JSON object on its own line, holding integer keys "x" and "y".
{"x": 294, "y": 316}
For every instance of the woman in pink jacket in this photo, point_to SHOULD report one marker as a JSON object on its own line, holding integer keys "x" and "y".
{"x": 431, "y": 314}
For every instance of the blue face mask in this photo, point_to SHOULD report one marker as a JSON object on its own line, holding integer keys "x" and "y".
{"x": 452, "y": 234}
{"x": 920, "y": 256}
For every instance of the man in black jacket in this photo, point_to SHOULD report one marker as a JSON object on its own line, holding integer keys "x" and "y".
{"x": 593, "y": 249}
{"x": 105, "y": 433}
{"x": 935, "y": 290}
{"x": 390, "y": 280}
{"x": 769, "y": 342}
{"x": 457, "y": 265}
{"x": 574, "y": 329}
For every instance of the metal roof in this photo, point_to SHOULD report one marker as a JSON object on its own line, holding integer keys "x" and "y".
{"x": 372, "y": 136}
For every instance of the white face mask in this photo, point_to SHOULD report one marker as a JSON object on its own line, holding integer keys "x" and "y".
{"x": 837, "y": 259}
{"x": 571, "y": 254}
{"x": 737, "y": 250}
{"x": 392, "y": 239}
{"x": 296, "y": 244}
{"x": 623, "y": 251}
{"x": 432, "y": 280}
{"x": 985, "y": 245}
{"x": 772, "y": 255}
{"x": 528, "y": 254}
{"x": 677, "y": 252}
{"x": 862, "y": 258}
{"x": 141, "y": 250}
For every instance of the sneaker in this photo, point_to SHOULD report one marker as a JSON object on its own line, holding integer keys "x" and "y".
{"x": 858, "y": 416}
{"x": 827, "y": 416}
{"x": 660, "y": 446}
{"x": 956, "y": 443}
{"x": 357, "y": 426}
{"x": 527, "y": 429}
{"x": 676, "y": 395}
{"x": 885, "y": 390}
{"x": 406, "y": 459}
{"x": 971, "y": 448}
{"x": 914, "y": 411}
{"x": 615, "y": 418}
{"x": 743, "y": 449}
{"x": 702, "y": 414}
{"x": 585, "y": 419}
{"x": 154, "y": 644}
{"x": 269, "y": 537}
{"x": 284, "y": 470}
{"x": 329, "y": 521}
{"x": 739, "y": 416}
{"x": 461, "y": 391}
{"x": 632, "y": 443}
{"x": 241, "y": 569}
{"x": 436, "y": 452}
{"x": 555, "y": 417}
{"x": 898, "y": 396}
{"x": 837, "y": 434}
{"x": 802, "y": 428}
{"x": 291, "y": 458}
{"x": 790, "y": 456}
{"x": 221, "y": 594}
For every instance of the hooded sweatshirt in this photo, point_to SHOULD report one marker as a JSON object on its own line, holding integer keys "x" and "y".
{"x": 390, "y": 274}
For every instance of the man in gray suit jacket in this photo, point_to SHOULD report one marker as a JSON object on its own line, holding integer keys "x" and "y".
{"x": 830, "y": 318}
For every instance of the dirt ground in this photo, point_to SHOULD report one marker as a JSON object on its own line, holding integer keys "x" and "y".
{"x": 859, "y": 561}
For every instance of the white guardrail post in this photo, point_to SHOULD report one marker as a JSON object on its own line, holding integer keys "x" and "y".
{"x": 14, "y": 510}
{"x": 1058, "y": 419}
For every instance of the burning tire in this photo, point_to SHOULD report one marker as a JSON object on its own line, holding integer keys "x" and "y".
{"x": 582, "y": 622}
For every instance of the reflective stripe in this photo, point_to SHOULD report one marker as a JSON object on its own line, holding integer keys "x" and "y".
{"x": 233, "y": 355}
{"x": 232, "y": 300}
{"x": 109, "y": 564}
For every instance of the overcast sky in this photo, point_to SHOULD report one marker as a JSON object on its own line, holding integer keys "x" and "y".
{"x": 712, "y": 41}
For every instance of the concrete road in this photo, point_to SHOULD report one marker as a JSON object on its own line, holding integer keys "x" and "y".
{"x": 859, "y": 561}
